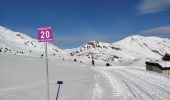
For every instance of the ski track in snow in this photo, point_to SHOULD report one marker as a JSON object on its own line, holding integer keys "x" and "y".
{"x": 131, "y": 84}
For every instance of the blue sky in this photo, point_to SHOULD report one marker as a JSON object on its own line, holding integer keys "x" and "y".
{"x": 77, "y": 21}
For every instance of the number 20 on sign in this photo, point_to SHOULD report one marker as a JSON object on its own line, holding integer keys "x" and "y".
{"x": 45, "y": 34}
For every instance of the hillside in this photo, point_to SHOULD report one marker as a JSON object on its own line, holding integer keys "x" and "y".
{"x": 129, "y": 49}
{"x": 17, "y": 43}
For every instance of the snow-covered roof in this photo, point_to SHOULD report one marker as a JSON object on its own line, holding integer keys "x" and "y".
{"x": 163, "y": 64}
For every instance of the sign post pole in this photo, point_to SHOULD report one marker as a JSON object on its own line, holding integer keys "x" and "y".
{"x": 47, "y": 75}
{"x": 45, "y": 35}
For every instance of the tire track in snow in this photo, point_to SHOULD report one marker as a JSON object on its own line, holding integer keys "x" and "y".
{"x": 123, "y": 85}
{"x": 153, "y": 89}
{"x": 135, "y": 88}
{"x": 127, "y": 86}
{"x": 152, "y": 77}
{"x": 113, "y": 87}
{"x": 108, "y": 91}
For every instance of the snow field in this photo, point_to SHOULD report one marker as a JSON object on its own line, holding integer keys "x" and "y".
{"x": 23, "y": 78}
{"x": 133, "y": 84}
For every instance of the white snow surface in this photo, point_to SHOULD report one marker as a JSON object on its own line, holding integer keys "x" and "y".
{"x": 23, "y": 72}
{"x": 128, "y": 83}
{"x": 24, "y": 78}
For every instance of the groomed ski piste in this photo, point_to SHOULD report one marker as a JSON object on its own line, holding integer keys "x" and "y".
{"x": 130, "y": 84}
{"x": 24, "y": 78}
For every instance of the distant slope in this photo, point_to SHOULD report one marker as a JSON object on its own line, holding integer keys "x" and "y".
{"x": 128, "y": 49}
{"x": 20, "y": 44}
{"x": 147, "y": 46}
{"x": 131, "y": 48}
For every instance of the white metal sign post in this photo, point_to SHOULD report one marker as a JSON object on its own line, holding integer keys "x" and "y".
{"x": 45, "y": 35}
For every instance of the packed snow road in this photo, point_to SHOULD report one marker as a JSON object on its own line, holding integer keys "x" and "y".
{"x": 130, "y": 84}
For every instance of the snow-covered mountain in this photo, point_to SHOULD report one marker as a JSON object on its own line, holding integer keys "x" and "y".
{"x": 129, "y": 49}
{"x": 20, "y": 44}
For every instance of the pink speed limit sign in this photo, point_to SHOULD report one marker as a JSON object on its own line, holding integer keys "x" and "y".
{"x": 44, "y": 34}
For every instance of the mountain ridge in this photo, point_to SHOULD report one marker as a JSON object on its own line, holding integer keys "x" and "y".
{"x": 128, "y": 49}
{"x": 21, "y": 44}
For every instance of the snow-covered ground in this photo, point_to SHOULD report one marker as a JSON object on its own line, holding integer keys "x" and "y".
{"x": 23, "y": 78}
{"x": 128, "y": 83}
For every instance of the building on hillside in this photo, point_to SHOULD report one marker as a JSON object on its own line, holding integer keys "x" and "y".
{"x": 159, "y": 67}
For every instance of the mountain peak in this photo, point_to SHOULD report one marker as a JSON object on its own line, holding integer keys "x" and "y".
{"x": 131, "y": 48}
